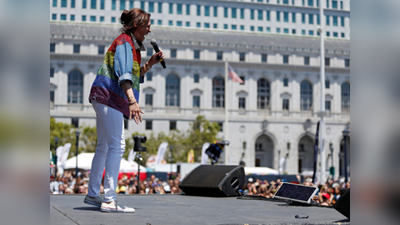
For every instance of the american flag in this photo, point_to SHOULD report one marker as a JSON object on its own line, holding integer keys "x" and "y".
{"x": 232, "y": 74}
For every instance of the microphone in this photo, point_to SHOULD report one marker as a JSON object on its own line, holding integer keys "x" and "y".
{"x": 155, "y": 46}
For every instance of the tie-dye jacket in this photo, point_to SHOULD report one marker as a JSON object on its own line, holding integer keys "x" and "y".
{"x": 121, "y": 63}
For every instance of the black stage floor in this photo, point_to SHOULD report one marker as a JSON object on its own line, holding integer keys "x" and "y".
{"x": 191, "y": 210}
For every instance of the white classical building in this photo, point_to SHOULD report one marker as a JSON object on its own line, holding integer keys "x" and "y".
{"x": 272, "y": 45}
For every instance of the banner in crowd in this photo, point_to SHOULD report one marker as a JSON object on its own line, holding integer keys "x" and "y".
{"x": 62, "y": 154}
{"x": 131, "y": 156}
{"x": 204, "y": 156}
{"x": 161, "y": 152}
{"x": 190, "y": 158}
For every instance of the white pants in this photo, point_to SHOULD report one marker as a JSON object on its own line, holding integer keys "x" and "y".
{"x": 109, "y": 151}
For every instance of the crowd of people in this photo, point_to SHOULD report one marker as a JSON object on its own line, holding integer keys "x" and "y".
{"x": 327, "y": 194}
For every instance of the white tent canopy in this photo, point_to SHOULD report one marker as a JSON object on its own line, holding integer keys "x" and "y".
{"x": 260, "y": 171}
{"x": 85, "y": 163}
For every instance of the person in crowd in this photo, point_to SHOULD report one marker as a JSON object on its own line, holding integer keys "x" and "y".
{"x": 114, "y": 96}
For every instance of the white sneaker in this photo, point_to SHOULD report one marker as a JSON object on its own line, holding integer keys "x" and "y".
{"x": 93, "y": 201}
{"x": 115, "y": 207}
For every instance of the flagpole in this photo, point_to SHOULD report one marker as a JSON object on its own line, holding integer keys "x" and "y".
{"x": 322, "y": 98}
{"x": 226, "y": 125}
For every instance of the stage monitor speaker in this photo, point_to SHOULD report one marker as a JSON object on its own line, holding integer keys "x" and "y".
{"x": 214, "y": 180}
{"x": 343, "y": 204}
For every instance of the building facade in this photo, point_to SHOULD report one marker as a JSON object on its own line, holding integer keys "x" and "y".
{"x": 272, "y": 45}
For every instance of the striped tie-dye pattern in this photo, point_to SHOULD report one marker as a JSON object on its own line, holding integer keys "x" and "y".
{"x": 105, "y": 88}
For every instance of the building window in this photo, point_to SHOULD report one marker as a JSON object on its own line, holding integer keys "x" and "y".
{"x": 306, "y": 60}
{"x": 303, "y": 18}
{"x": 149, "y": 76}
{"x": 310, "y": 18}
{"x": 218, "y": 92}
{"x": 234, "y": 12}
{"x": 52, "y": 97}
{"x": 122, "y": 4}
{"x": 219, "y": 55}
{"x": 242, "y": 56}
{"x": 263, "y": 94}
{"x": 215, "y": 11}
{"x": 54, "y": 16}
{"x": 179, "y": 23}
{"x": 172, "y": 125}
{"x": 311, "y": 32}
{"x": 100, "y": 49}
{"x": 285, "y": 59}
{"x": 126, "y": 124}
{"x": 260, "y": 29}
{"x": 252, "y": 14}
{"x": 64, "y": 3}
{"x": 63, "y": 17}
{"x": 172, "y": 91}
{"x": 328, "y": 34}
{"x": 335, "y": 34}
{"x": 285, "y": 82}
{"x": 75, "y": 122}
{"x": 77, "y": 48}
{"x": 173, "y": 53}
{"x": 159, "y": 22}
{"x": 285, "y": 30}
{"x": 149, "y": 125}
{"x": 285, "y": 104}
{"x": 149, "y": 52}
{"x": 342, "y": 35}
{"x": 198, "y": 24}
{"x": 278, "y": 16}
{"x": 171, "y": 8}
{"x": 51, "y": 71}
{"x": 179, "y": 9}
{"x": 225, "y": 26}
{"x": 293, "y": 17}
{"x": 310, "y": 2}
{"x": 170, "y": 23}
{"x": 206, "y": 25}
{"x": 149, "y": 100}
{"x": 52, "y": 47}
{"x": 142, "y": 5}
{"x": 198, "y": 10}
{"x": 285, "y": 17}
{"x": 187, "y": 9}
{"x": 75, "y": 87}
{"x": 93, "y": 18}
{"x": 327, "y": 84}
{"x": 335, "y": 21}
{"x": 72, "y": 17}
{"x": 305, "y": 95}
{"x": 342, "y": 21}
{"x": 293, "y": 31}
{"x": 55, "y": 3}
{"x": 83, "y": 18}
{"x": 159, "y": 7}
{"x": 187, "y": 24}
{"x": 328, "y": 20}
{"x": 196, "y": 101}
{"x": 243, "y": 79}
{"x": 328, "y": 106}
{"x": 113, "y": 4}
{"x": 347, "y": 63}
{"x": 234, "y": 27}
{"x": 101, "y": 18}
{"x": 303, "y": 32}
{"x": 206, "y": 10}
{"x": 196, "y": 54}
{"x": 334, "y": 4}
{"x": 242, "y": 103}
{"x": 264, "y": 57}
{"x": 327, "y": 61}
{"x": 346, "y": 97}
{"x": 268, "y": 15}
{"x": 93, "y": 4}
{"x": 221, "y": 126}
{"x": 196, "y": 78}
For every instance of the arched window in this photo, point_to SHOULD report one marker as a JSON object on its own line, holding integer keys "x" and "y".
{"x": 305, "y": 95}
{"x": 75, "y": 87}
{"x": 172, "y": 91}
{"x": 345, "y": 97}
{"x": 263, "y": 94}
{"x": 218, "y": 92}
